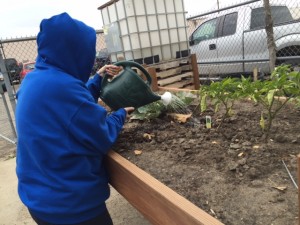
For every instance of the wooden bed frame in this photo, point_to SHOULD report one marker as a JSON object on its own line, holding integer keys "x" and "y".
{"x": 158, "y": 203}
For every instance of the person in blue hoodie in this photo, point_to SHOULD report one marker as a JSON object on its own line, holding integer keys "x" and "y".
{"x": 63, "y": 134}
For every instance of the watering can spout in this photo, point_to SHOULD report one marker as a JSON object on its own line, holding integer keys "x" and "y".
{"x": 166, "y": 98}
{"x": 127, "y": 89}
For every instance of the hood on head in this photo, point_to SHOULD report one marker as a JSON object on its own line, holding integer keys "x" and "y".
{"x": 68, "y": 45}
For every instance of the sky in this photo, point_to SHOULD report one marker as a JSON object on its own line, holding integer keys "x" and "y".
{"x": 21, "y": 18}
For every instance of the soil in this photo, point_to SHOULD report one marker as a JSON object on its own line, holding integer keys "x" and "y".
{"x": 230, "y": 171}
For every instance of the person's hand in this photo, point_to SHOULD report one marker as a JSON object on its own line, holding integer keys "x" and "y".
{"x": 111, "y": 70}
{"x": 129, "y": 110}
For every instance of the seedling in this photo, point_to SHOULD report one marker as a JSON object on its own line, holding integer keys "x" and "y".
{"x": 223, "y": 93}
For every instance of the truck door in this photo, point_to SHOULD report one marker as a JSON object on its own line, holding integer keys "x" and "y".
{"x": 203, "y": 44}
{"x": 230, "y": 45}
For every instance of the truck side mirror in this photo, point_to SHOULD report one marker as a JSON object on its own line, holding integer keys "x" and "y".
{"x": 191, "y": 42}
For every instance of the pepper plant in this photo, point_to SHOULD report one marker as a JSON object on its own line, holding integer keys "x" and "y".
{"x": 222, "y": 93}
{"x": 273, "y": 94}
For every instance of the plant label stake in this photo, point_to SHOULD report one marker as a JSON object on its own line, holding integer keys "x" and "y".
{"x": 208, "y": 121}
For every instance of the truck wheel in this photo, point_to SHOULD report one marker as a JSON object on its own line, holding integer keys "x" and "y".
{"x": 292, "y": 62}
{"x": 289, "y": 52}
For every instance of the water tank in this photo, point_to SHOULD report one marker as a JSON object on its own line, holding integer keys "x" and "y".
{"x": 146, "y": 31}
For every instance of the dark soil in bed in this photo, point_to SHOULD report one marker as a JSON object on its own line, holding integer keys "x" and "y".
{"x": 230, "y": 172}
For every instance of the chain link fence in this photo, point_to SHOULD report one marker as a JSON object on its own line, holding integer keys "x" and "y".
{"x": 15, "y": 55}
{"x": 227, "y": 40}
{"x": 7, "y": 130}
{"x": 235, "y": 39}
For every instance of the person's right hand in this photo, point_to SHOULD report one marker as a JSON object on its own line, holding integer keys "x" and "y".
{"x": 129, "y": 110}
{"x": 110, "y": 69}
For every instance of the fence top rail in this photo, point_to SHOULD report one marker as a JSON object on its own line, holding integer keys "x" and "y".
{"x": 32, "y": 38}
{"x": 5, "y": 41}
{"x": 222, "y": 9}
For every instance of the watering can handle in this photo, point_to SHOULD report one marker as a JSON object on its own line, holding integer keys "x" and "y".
{"x": 139, "y": 66}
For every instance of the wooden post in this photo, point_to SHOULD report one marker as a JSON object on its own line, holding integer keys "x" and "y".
{"x": 152, "y": 72}
{"x": 298, "y": 163}
{"x": 158, "y": 203}
{"x": 255, "y": 74}
{"x": 195, "y": 71}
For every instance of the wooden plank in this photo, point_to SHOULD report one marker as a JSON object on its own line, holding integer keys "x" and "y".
{"x": 187, "y": 67}
{"x": 168, "y": 73}
{"x": 154, "y": 84}
{"x": 164, "y": 65}
{"x": 162, "y": 90}
{"x": 180, "y": 84}
{"x": 158, "y": 203}
{"x": 174, "y": 79}
{"x": 169, "y": 65}
{"x": 184, "y": 61}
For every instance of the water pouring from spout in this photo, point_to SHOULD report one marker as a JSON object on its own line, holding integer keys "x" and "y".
{"x": 174, "y": 103}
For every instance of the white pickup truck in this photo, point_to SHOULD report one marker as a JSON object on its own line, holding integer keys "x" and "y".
{"x": 235, "y": 41}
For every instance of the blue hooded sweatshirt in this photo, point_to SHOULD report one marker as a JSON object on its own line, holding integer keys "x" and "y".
{"x": 63, "y": 134}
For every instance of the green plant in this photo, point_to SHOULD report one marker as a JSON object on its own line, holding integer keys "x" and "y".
{"x": 150, "y": 111}
{"x": 223, "y": 93}
{"x": 179, "y": 104}
{"x": 273, "y": 94}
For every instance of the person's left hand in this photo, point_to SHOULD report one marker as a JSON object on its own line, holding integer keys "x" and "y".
{"x": 111, "y": 70}
{"x": 129, "y": 110}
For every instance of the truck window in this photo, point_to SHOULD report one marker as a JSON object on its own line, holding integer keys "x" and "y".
{"x": 229, "y": 26}
{"x": 280, "y": 14}
{"x": 205, "y": 31}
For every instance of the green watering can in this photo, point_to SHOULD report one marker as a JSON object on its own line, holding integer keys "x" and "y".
{"x": 127, "y": 88}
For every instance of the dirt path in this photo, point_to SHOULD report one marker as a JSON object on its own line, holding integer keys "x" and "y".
{"x": 13, "y": 212}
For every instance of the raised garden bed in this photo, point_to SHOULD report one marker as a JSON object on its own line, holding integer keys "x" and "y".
{"x": 230, "y": 172}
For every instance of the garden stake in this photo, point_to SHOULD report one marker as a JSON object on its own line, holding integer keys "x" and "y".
{"x": 208, "y": 122}
{"x": 290, "y": 174}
